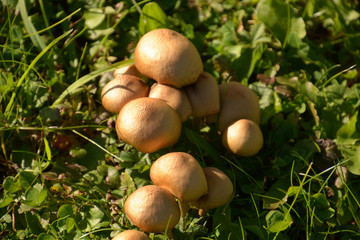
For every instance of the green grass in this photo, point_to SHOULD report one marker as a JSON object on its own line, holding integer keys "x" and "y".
{"x": 65, "y": 174}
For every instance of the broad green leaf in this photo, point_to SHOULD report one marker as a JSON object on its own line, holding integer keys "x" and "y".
{"x": 6, "y": 200}
{"x": 277, "y": 194}
{"x": 27, "y": 179}
{"x": 127, "y": 183}
{"x": 94, "y": 17}
{"x": 352, "y": 154}
{"x": 349, "y": 134}
{"x": 152, "y": 17}
{"x": 277, "y": 221}
{"x": 33, "y": 223}
{"x": 65, "y": 210}
{"x": 96, "y": 215}
{"x": 222, "y": 222}
{"x": 275, "y": 14}
{"x": 11, "y": 184}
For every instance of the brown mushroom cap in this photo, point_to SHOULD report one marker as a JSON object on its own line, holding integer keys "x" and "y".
{"x": 220, "y": 189}
{"x": 175, "y": 97}
{"x": 237, "y": 102}
{"x": 244, "y": 138}
{"x": 181, "y": 174}
{"x": 121, "y": 90}
{"x": 148, "y": 124}
{"x": 204, "y": 96}
{"x": 152, "y": 209}
{"x": 168, "y": 57}
{"x": 131, "y": 235}
{"x": 128, "y": 70}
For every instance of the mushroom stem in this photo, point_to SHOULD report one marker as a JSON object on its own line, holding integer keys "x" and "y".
{"x": 184, "y": 208}
{"x": 202, "y": 212}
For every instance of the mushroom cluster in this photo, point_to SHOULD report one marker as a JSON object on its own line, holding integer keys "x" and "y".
{"x": 167, "y": 85}
{"x": 179, "y": 183}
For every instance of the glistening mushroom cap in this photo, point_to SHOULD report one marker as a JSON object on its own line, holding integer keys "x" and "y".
{"x": 152, "y": 209}
{"x": 121, "y": 90}
{"x": 148, "y": 124}
{"x": 181, "y": 174}
{"x": 168, "y": 57}
{"x": 204, "y": 96}
{"x": 237, "y": 102}
{"x": 175, "y": 97}
{"x": 128, "y": 70}
{"x": 243, "y": 137}
{"x": 220, "y": 189}
{"x": 131, "y": 235}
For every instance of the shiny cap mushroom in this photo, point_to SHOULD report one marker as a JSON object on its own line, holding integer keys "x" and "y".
{"x": 121, "y": 90}
{"x": 237, "y": 102}
{"x": 220, "y": 190}
{"x": 128, "y": 70}
{"x": 152, "y": 209}
{"x": 181, "y": 174}
{"x": 168, "y": 57}
{"x": 175, "y": 97}
{"x": 148, "y": 124}
{"x": 204, "y": 96}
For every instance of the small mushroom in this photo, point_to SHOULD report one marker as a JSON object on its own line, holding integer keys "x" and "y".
{"x": 181, "y": 174}
{"x": 152, "y": 209}
{"x": 168, "y": 57}
{"x": 131, "y": 235}
{"x": 121, "y": 90}
{"x": 204, "y": 96}
{"x": 148, "y": 124}
{"x": 237, "y": 102}
{"x": 175, "y": 97}
{"x": 128, "y": 70}
{"x": 244, "y": 138}
{"x": 220, "y": 190}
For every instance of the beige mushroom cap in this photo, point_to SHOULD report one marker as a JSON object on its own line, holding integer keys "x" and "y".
{"x": 128, "y": 70}
{"x": 152, "y": 209}
{"x": 244, "y": 138}
{"x": 237, "y": 102}
{"x": 220, "y": 189}
{"x": 168, "y": 57}
{"x": 175, "y": 97}
{"x": 131, "y": 235}
{"x": 121, "y": 90}
{"x": 181, "y": 174}
{"x": 148, "y": 124}
{"x": 204, "y": 96}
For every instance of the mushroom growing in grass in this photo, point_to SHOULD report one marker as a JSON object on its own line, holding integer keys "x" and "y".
{"x": 148, "y": 124}
{"x": 204, "y": 96}
{"x": 243, "y": 137}
{"x": 175, "y": 97}
{"x": 131, "y": 235}
{"x": 121, "y": 90}
{"x": 237, "y": 102}
{"x": 181, "y": 174}
{"x": 220, "y": 190}
{"x": 152, "y": 209}
{"x": 168, "y": 57}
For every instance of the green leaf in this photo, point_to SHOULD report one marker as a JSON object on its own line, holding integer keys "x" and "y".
{"x": 27, "y": 179}
{"x": 275, "y": 14}
{"x": 65, "y": 211}
{"x": 11, "y": 184}
{"x": 6, "y": 201}
{"x": 152, "y": 17}
{"x": 127, "y": 183}
{"x": 94, "y": 17}
{"x": 45, "y": 236}
{"x": 33, "y": 223}
{"x": 352, "y": 154}
{"x": 349, "y": 134}
{"x": 277, "y": 221}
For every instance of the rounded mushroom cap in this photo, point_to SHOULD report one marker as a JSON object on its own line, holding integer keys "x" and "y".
{"x": 131, "y": 235}
{"x": 175, "y": 97}
{"x": 168, "y": 57}
{"x": 152, "y": 209}
{"x": 148, "y": 124}
{"x": 237, "y": 102}
{"x": 204, "y": 96}
{"x": 121, "y": 90}
{"x": 181, "y": 174}
{"x": 220, "y": 189}
{"x": 244, "y": 138}
{"x": 128, "y": 70}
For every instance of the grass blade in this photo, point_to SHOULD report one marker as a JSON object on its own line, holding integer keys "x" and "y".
{"x": 85, "y": 79}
